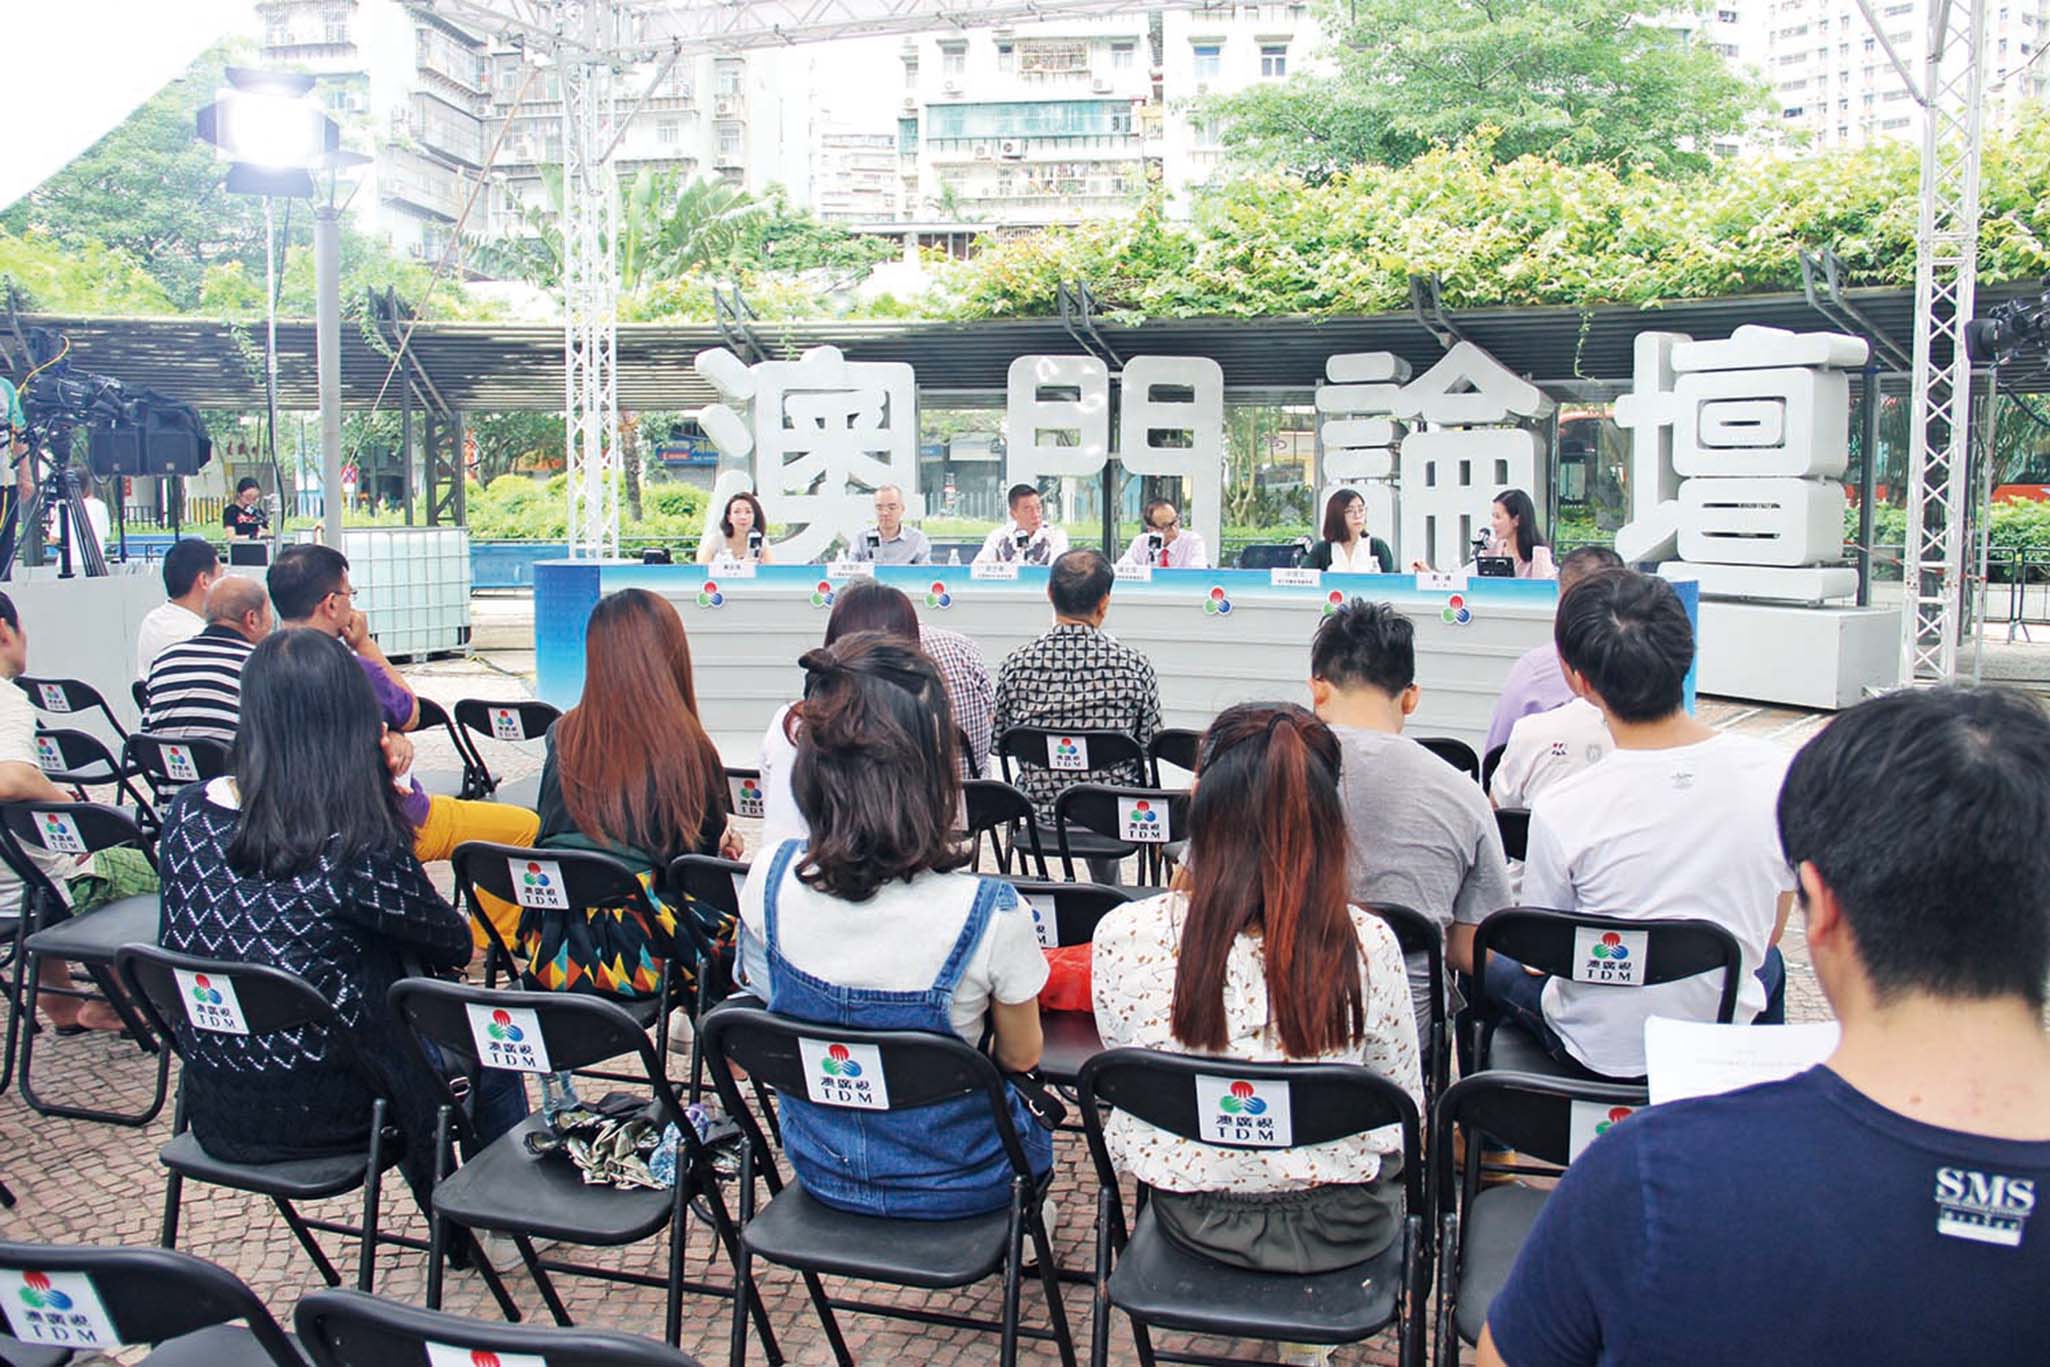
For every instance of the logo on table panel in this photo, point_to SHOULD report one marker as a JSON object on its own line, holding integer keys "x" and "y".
{"x": 48, "y": 757}
{"x": 59, "y": 832}
{"x": 537, "y": 883}
{"x": 1070, "y": 753}
{"x": 748, "y": 799}
{"x": 1333, "y": 601}
{"x": 709, "y": 595}
{"x": 822, "y": 594}
{"x": 937, "y": 595}
{"x": 1611, "y": 957}
{"x": 1217, "y": 605}
{"x": 1239, "y": 1112}
{"x": 837, "y": 1074}
{"x": 1139, "y": 820}
{"x": 1456, "y": 613}
{"x": 507, "y": 725}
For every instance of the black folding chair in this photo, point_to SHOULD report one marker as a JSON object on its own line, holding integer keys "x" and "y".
{"x": 506, "y": 1187}
{"x": 68, "y": 698}
{"x": 139, "y": 691}
{"x": 1490, "y": 762}
{"x": 711, "y": 882}
{"x": 168, "y": 763}
{"x": 1416, "y": 933}
{"x": 76, "y": 760}
{"x": 49, "y": 930}
{"x": 1456, "y": 753}
{"x": 1271, "y": 556}
{"x": 1067, "y": 914}
{"x": 472, "y": 779}
{"x": 1514, "y": 824}
{"x": 517, "y": 722}
{"x": 94, "y": 1300}
{"x": 1176, "y": 746}
{"x": 350, "y": 1329}
{"x": 1081, "y": 755}
{"x": 1145, "y": 820}
{"x": 565, "y": 883}
{"x": 796, "y": 1231}
{"x": 1160, "y": 1284}
{"x": 997, "y": 809}
{"x": 191, "y": 1002}
{"x": 1548, "y": 941}
{"x": 971, "y": 761}
{"x": 1481, "y": 1229}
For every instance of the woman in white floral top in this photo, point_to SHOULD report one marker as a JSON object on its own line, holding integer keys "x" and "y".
{"x": 1257, "y": 955}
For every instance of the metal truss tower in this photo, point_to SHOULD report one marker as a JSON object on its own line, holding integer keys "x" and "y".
{"x": 1937, "y": 563}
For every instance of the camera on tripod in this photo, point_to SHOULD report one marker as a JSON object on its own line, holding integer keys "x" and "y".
{"x": 127, "y": 433}
{"x": 2008, "y": 328}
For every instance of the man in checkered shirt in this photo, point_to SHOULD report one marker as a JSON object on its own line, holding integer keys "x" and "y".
{"x": 1077, "y": 677}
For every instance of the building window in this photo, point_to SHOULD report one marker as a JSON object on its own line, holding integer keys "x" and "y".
{"x": 1007, "y": 57}
{"x": 1273, "y": 60}
{"x": 276, "y": 32}
{"x": 954, "y": 61}
{"x": 729, "y": 144}
{"x": 1123, "y": 56}
{"x": 910, "y": 72}
{"x": 1209, "y": 61}
{"x": 1121, "y": 120}
{"x": 729, "y": 78}
{"x": 335, "y": 23}
{"x": 1726, "y": 16}
{"x": 665, "y": 132}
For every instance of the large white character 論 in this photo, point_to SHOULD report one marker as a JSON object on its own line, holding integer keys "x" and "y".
{"x": 824, "y": 435}
{"x": 1360, "y": 433}
{"x": 1737, "y": 450}
{"x": 1469, "y": 454}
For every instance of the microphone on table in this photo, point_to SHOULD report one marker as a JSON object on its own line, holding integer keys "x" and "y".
{"x": 754, "y": 543}
{"x": 1480, "y": 544}
{"x": 874, "y": 538}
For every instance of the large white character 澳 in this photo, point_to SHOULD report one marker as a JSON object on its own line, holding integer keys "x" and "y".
{"x": 1737, "y": 451}
{"x": 1360, "y": 434}
{"x": 1474, "y": 448}
{"x": 824, "y": 435}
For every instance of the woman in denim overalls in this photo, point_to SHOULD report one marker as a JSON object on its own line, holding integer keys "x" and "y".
{"x": 875, "y": 781}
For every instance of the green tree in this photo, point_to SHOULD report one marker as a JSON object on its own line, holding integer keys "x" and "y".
{"x": 1613, "y": 81}
{"x": 81, "y": 277}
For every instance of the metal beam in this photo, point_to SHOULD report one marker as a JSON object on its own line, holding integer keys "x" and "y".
{"x": 737, "y": 25}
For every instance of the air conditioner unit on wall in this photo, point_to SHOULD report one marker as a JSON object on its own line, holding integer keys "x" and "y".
{"x": 1011, "y": 147}
{"x": 1102, "y": 85}
{"x": 982, "y": 151}
{"x": 953, "y": 87}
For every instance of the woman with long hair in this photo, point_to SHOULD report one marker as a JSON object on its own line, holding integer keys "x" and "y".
{"x": 1513, "y": 532}
{"x": 741, "y": 534}
{"x": 303, "y": 860}
{"x": 874, "y": 923}
{"x": 1257, "y": 955}
{"x": 1346, "y": 547}
{"x": 631, "y": 773}
{"x": 865, "y": 605}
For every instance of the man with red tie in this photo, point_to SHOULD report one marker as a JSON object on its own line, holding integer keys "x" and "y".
{"x": 1166, "y": 544}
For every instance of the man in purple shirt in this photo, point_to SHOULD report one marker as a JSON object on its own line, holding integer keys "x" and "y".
{"x": 309, "y": 586}
{"x": 1535, "y": 683}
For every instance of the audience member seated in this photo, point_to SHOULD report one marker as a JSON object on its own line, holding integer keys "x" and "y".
{"x": 742, "y": 534}
{"x": 1076, "y": 676}
{"x": 630, "y": 772}
{"x": 1027, "y": 538}
{"x": 1675, "y": 823}
{"x": 303, "y": 860}
{"x": 873, "y": 924}
{"x": 309, "y": 586}
{"x": 889, "y": 541}
{"x": 867, "y": 606}
{"x": 1535, "y": 683}
{"x": 1882, "y": 1206}
{"x": 1421, "y": 833}
{"x": 244, "y": 514}
{"x": 86, "y": 884}
{"x": 1259, "y": 957}
{"x": 190, "y": 569}
{"x": 1166, "y": 544}
{"x": 1346, "y": 547}
{"x": 195, "y": 687}
{"x": 1513, "y": 534}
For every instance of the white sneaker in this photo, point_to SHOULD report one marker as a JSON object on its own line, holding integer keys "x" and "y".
{"x": 679, "y": 1031}
{"x": 502, "y": 1252}
{"x": 1307, "y": 1354}
{"x": 1050, "y": 1216}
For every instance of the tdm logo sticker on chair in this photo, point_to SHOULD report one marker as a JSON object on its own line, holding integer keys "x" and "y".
{"x": 1139, "y": 820}
{"x": 59, "y": 832}
{"x": 1235, "y": 1111}
{"x": 53, "y": 698}
{"x": 1589, "y": 1121}
{"x": 1068, "y": 753}
{"x": 844, "y": 1074}
{"x": 1611, "y": 957}
{"x": 178, "y": 763}
{"x": 210, "y": 1002}
{"x": 507, "y": 725}
{"x": 1042, "y": 923}
{"x": 747, "y": 797}
{"x": 48, "y": 757}
{"x": 538, "y": 883}
{"x": 445, "y": 1355}
{"x": 57, "y": 1308}
{"x": 508, "y": 1037}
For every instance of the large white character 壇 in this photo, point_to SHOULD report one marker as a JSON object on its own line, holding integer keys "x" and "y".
{"x": 1737, "y": 449}
{"x": 824, "y": 435}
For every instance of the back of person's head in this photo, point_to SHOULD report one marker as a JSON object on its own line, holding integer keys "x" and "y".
{"x": 1267, "y": 855}
{"x": 302, "y": 576}
{"x": 185, "y": 562}
{"x": 233, "y": 598}
{"x": 1334, "y": 513}
{"x": 1628, "y": 637}
{"x": 1079, "y": 583}
{"x": 308, "y": 762}
{"x": 9, "y": 618}
{"x": 1578, "y": 563}
{"x": 874, "y": 775}
{"x": 1924, "y": 812}
{"x": 634, "y": 761}
{"x": 865, "y": 605}
{"x": 1365, "y": 645}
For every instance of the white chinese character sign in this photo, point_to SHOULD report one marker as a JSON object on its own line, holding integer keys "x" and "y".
{"x": 1737, "y": 452}
{"x": 1476, "y": 446}
{"x": 1361, "y": 434}
{"x": 824, "y": 434}
{"x": 1056, "y": 417}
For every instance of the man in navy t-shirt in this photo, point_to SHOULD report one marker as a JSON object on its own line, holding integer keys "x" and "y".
{"x": 1882, "y": 1207}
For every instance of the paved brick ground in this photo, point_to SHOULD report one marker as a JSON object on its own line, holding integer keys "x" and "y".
{"x": 95, "y": 1183}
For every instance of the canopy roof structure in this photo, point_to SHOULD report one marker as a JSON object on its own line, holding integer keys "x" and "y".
{"x": 491, "y": 367}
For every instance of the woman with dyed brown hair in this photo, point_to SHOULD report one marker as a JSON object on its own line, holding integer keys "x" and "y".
{"x": 1257, "y": 955}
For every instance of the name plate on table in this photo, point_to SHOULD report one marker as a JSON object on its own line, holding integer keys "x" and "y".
{"x": 735, "y": 569}
{"x": 850, "y": 569}
{"x": 1140, "y": 574}
{"x": 1429, "y": 581}
{"x": 993, "y": 569}
{"x": 1295, "y": 577}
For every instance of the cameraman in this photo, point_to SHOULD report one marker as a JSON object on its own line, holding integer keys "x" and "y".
{"x": 245, "y": 514}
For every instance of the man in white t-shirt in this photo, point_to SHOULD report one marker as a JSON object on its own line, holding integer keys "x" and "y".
{"x": 1545, "y": 747}
{"x": 190, "y": 569}
{"x": 1677, "y": 822}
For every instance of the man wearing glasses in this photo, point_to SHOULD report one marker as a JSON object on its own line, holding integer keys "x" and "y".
{"x": 889, "y": 541}
{"x": 1166, "y": 544}
{"x": 309, "y": 587}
